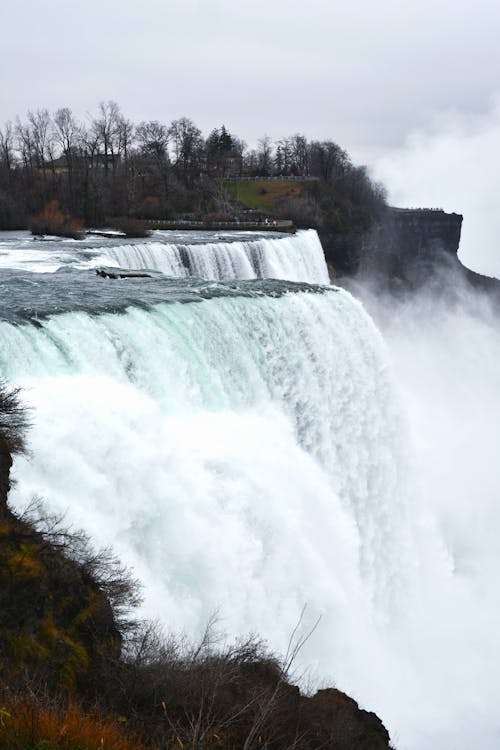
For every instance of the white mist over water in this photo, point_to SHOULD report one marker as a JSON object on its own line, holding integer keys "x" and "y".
{"x": 447, "y": 362}
{"x": 446, "y": 357}
{"x": 249, "y": 455}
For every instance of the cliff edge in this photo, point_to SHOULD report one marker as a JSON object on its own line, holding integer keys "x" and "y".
{"x": 408, "y": 243}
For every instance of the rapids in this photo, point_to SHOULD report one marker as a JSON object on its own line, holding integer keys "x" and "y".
{"x": 216, "y": 256}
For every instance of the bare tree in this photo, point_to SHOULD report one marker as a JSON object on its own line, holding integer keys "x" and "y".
{"x": 188, "y": 147}
{"x": 42, "y": 137}
{"x": 328, "y": 161}
{"x": 300, "y": 154}
{"x": 105, "y": 129}
{"x": 67, "y": 132}
{"x": 7, "y": 146}
{"x": 25, "y": 145}
{"x": 265, "y": 156}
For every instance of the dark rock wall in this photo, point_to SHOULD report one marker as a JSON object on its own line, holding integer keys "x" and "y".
{"x": 408, "y": 244}
{"x": 402, "y": 243}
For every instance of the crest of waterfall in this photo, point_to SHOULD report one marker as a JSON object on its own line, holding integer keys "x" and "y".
{"x": 296, "y": 257}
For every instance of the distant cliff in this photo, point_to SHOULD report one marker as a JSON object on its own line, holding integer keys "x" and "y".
{"x": 412, "y": 247}
{"x": 408, "y": 244}
{"x": 422, "y": 231}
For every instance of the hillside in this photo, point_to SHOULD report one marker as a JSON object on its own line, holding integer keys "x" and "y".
{"x": 264, "y": 194}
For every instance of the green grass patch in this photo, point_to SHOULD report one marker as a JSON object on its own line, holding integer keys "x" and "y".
{"x": 262, "y": 194}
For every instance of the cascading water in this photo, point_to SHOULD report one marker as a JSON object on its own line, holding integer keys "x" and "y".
{"x": 240, "y": 445}
{"x": 229, "y": 356}
{"x": 296, "y": 258}
{"x": 206, "y": 255}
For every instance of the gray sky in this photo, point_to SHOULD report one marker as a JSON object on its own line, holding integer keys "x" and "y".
{"x": 361, "y": 72}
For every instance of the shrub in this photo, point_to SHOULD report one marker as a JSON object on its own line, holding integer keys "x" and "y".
{"x": 53, "y": 221}
{"x": 14, "y": 420}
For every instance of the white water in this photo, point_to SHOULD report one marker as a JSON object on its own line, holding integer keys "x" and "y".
{"x": 206, "y": 255}
{"x": 242, "y": 454}
{"x": 298, "y": 257}
{"x": 247, "y": 455}
{"x": 224, "y": 360}
{"x": 447, "y": 365}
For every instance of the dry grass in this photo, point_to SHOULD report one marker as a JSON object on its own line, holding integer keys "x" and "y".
{"x": 28, "y": 724}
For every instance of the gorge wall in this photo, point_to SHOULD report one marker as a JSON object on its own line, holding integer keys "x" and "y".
{"x": 403, "y": 244}
{"x": 412, "y": 247}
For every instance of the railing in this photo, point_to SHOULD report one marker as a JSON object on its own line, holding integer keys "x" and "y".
{"x": 229, "y": 224}
{"x": 273, "y": 177}
{"x": 414, "y": 210}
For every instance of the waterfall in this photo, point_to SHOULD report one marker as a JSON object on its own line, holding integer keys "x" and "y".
{"x": 295, "y": 258}
{"x": 222, "y": 358}
{"x": 240, "y": 445}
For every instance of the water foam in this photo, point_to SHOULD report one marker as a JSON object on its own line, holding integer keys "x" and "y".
{"x": 298, "y": 257}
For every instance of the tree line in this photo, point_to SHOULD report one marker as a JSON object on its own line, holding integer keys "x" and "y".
{"x": 108, "y": 166}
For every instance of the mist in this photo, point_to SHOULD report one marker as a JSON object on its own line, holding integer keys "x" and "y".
{"x": 453, "y": 165}
{"x": 445, "y": 354}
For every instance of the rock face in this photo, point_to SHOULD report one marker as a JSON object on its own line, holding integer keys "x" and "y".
{"x": 409, "y": 243}
{"x": 402, "y": 243}
{"x": 343, "y": 250}
{"x": 425, "y": 230}
{"x": 55, "y": 621}
{"x": 340, "y": 723}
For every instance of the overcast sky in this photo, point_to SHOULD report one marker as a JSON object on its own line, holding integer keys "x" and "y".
{"x": 363, "y": 73}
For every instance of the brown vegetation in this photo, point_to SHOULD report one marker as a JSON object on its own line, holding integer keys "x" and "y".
{"x": 53, "y": 221}
{"x": 31, "y": 722}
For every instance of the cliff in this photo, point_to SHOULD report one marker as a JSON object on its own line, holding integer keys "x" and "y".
{"x": 408, "y": 244}
{"x": 415, "y": 247}
{"x": 56, "y": 621}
